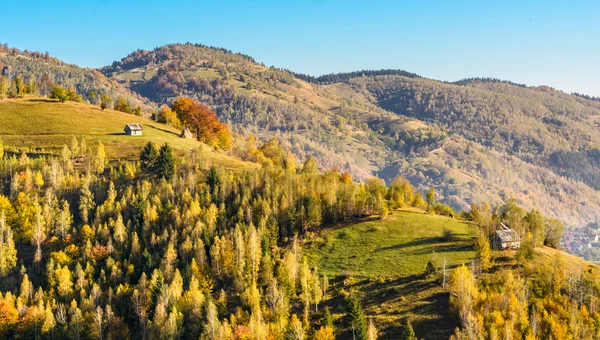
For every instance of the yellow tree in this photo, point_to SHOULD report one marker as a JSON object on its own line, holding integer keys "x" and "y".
{"x": 8, "y": 252}
{"x": 484, "y": 253}
{"x": 463, "y": 292}
{"x": 99, "y": 158}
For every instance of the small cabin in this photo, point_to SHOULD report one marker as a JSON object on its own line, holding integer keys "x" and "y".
{"x": 506, "y": 238}
{"x": 133, "y": 129}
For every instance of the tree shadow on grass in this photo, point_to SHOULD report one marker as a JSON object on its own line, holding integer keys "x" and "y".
{"x": 433, "y": 320}
{"x": 431, "y": 244}
{"x": 414, "y": 243}
{"x": 42, "y": 100}
{"x": 161, "y": 129}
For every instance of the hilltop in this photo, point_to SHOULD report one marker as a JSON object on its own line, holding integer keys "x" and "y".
{"x": 47, "y": 70}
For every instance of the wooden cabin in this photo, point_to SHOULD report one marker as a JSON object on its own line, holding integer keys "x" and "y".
{"x": 506, "y": 238}
{"x": 133, "y": 129}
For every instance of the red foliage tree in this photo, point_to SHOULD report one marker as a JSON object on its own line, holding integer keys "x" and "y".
{"x": 204, "y": 121}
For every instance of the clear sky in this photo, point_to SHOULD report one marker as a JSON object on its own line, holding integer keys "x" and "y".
{"x": 551, "y": 42}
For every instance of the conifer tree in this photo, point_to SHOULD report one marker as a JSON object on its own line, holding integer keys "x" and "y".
{"x": 356, "y": 318}
{"x": 165, "y": 164}
{"x": 407, "y": 331}
{"x": 149, "y": 157}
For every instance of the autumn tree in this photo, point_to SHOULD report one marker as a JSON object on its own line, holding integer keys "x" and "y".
{"x": 105, "y": 101}
{"x": 99, "y": 159}
{"x": 122, "y": 105}
{"x": 73, "y": 96}
{"x": 204, "y": 121}
{"x": 8, "y": 252}
{"x": 59, "y": 93}
{"x": 167, "y": 116}
{"x": 484, "y": 253}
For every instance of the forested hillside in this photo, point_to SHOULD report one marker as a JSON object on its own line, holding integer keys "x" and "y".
{"x": 223, "y": 236}
{"x": 473, "y": 140}
{"x": 36, "y": 73}
{"x": 476, "y": 139}
{"x": 175, "y": 243}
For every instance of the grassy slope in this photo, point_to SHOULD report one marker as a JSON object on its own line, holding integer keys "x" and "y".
{"x": 42, "y": 123}
{"x": 384, "y": 262}
{"x": 400, "y": 245}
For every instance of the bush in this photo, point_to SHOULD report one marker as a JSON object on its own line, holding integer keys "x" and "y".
{"x": 447, "y": 235}
{"x": 59, "y": 93}
{"x": 443, "y": 209}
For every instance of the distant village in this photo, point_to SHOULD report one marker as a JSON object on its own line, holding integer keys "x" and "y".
{"x": 583, "y": 242}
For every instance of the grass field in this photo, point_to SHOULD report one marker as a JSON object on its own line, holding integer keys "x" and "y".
{"x": 36, "y": 123}
{"x": 384, "y": 263}
{"x": 400, "y": 245}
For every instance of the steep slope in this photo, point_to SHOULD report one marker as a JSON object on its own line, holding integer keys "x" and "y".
{"x": 384, "y": 262}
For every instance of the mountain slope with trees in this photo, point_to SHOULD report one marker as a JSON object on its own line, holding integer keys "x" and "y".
{"x": 393, "y": 122}
{"x": 473, "y": 140}
{"x": 39, "y": 72}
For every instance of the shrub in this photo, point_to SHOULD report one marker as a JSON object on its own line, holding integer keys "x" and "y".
{"x": 447, "y": 235}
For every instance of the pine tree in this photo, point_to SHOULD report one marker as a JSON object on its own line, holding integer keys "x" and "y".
{"x": 356, "y": 319}
{"x": 407, "y": 331}
{"x": 149, "y": 157}
{"x": 165, "y": 164}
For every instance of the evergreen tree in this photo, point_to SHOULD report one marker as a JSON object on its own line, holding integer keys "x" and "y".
{"x": 356, "y": 318}
{"x": 149, "y": 157}
{"x": 165, "y": 164}
{"x": 407, "y": 331}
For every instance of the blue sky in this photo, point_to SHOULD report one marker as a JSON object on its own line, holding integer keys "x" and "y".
{"x": 548, "y": 42}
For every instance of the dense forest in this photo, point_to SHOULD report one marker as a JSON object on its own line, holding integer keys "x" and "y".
{"x": 345, "y": 76}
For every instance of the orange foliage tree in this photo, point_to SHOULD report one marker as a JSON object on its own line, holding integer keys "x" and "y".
{"x": 204, "y": 121}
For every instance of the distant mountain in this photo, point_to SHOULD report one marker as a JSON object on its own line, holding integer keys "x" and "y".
{"x": 267, "y": 102}
{"x": 475, "y": 139}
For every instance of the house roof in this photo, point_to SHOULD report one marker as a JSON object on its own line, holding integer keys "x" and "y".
{"x": 134, "y": 127}
{"x": 508, "y": 235}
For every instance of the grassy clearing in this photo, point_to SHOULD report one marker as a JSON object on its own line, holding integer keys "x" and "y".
{"x": 384, "y": 263}
{"x": 35, "y": 123}
{"x": 400, "y": 245}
